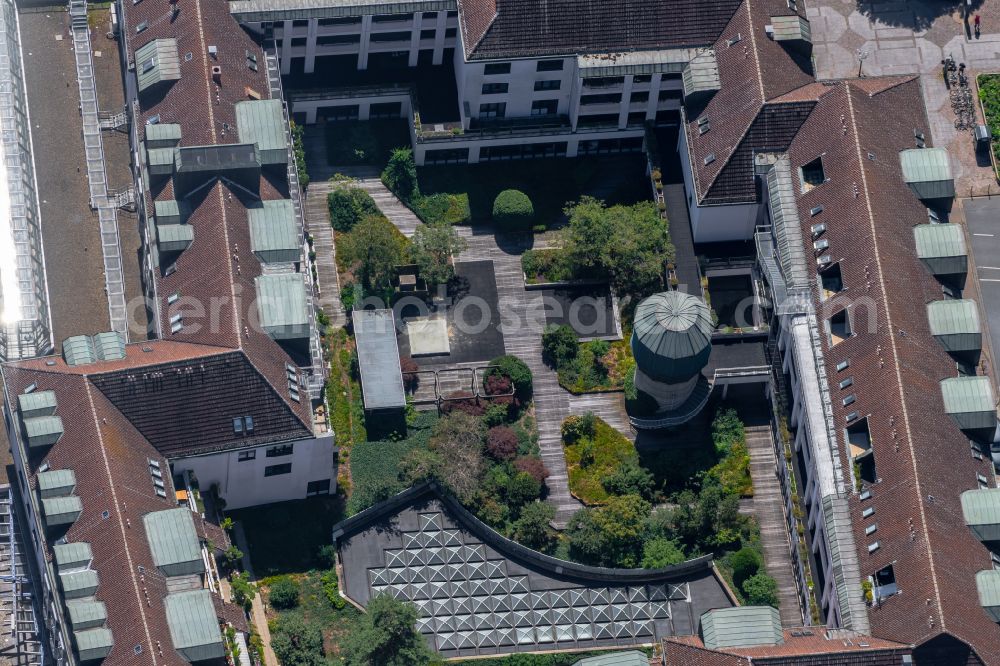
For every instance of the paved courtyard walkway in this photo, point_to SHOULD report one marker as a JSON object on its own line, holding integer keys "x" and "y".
{"x": 257, "y": 613}
{"x": 767, "y": 507}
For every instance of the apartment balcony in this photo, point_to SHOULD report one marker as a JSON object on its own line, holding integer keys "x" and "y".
{"x": 599, "y": 109}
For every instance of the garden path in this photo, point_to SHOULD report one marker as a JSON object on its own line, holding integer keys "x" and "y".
{"x": 369, "y": 179}
{"x": 768, "y": 506}
{"x": 257, "y": 609}
{"x": 524, "y": 340}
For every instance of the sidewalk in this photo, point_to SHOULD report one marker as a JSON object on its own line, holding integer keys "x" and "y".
{"x": 257, "y": 611}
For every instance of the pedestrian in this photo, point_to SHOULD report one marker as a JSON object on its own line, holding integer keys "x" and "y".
{"x": 975, "y": 24}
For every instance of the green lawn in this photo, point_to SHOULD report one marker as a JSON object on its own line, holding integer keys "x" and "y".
{"x": 367, "y": 142}
{"x": 285, "y": 538}
{"x": 590, "y": 460}
{"x": 549, "y": 183}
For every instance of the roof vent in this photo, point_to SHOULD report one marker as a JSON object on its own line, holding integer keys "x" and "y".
{"x": 821, "y": 244}
{"x": 709, "y": 158}
{"x": 217, "y": 73}
{"x": 825, "y": 260}
{"x": 213, "y": 51}
{"x": 818, "y": 229}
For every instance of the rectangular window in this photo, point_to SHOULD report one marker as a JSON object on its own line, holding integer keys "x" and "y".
{"x": 453, "y": 14}
{"x": 280, "y": 450}
{"x": 300, "y": 23}
{"x": 492, "y": 110}
{"x": 496, "y": 68}
{"x": 885, "y": 583}
{"x": 427, "y": 34}
{"x": 246, "y": 455}
{"x": 390, "y": 37}
{"x": 639, "y": 97}
{"x": 276, "y": 470}
{"x": 838, "y": 327}
{"x": 330, "y": 40}
{"x": 812, "y": 174}
{"x": 318, "y": 488}
{"x": 298, "y": 41}
{"x": 831, "y": 281}
{"x": 430, "y": 15}
{"x": 642, "y": 78}
{"x": 606, "y": 98}
{"x": 451, "y": 32}
{"x": 669, "y": 94}
{"x": 340, "y": 20}
{"x": 553, "y": 84}
{"x": 389, "y": 18}
{"x": 549, "y": 66}
{"x": 545, "y": 107}
{"x": 494, "y": 88}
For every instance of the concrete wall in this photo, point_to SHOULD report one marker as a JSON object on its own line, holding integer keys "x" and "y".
{"x": 242, "y": 482}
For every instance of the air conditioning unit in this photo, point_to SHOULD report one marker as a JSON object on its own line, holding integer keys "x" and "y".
{"x": 818, "y": 229}
{"x": 821, "y": 244}
{"x": 825, "y": 260}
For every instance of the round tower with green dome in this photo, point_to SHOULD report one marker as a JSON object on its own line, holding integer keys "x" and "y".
{"x": 671, "y": 343}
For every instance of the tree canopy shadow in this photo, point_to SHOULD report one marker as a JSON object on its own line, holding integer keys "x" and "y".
{"x": 916, "y": 14}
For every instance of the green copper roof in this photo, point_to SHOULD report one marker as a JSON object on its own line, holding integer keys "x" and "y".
{"x": 981, "y": 509}
{"x": 37, "y": 403}
{"x": 969, "y": 400}
{"x": 56, "y": 482}
{"x": 741, "y": 626}
{"x": 628, "y": 658}
{"x": 939, "y": 240}
{"x": 194, "y": 627}
{"x": 109, "y": 346}
{"x": 157, "y": 61}
{"x": 988, "y": 587}
{"x": 168, "y": 133}
{"x": 79, "y": 350}
{"x": 43, "y": 430}
{"x": 72, "y": 555}
{"x": 281, "y": 304}
{"x": 61, "y": 510}
{"x": 173, "y": 541}
{"x": 274, "y": 235}
{"x": 171, "y": 211}
{"x": 78, "y": 583}
{"x": 928, "y": 172}
{"x": 672, "y": 336}
{"x": 956, "y": 325}
{"x": 93, "y": 644}
{"x": 86, "y": 614}
{"x": 701, "y": 76}
{"x": 791, "y": 28}
{"x": 262, "y": 122}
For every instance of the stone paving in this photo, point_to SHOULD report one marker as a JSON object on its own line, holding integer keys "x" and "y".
{"x": 912, "y": 37}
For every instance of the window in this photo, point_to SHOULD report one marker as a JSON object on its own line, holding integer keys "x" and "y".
{"x": 553, "y": 84}
{"x": 276, "y": 470}
{"x": 298, "y": 41}
{"x": 859, "y": 443}
{"x": 838, "y": 327}
{"x": 885, "y": 583}
{"x": 238, "y": 425}
{"x": 494, "y": 88}
{"x": 246, "y": 455}
{"x": 497, "y": 68}
{"x": 545, "y": 107}
{"x": 389, "y": 18}
{"x": 639, "y": 97}
{"x": 451, "y": 32}
{"x": 847, "y": 382}
{"x": 300, "y": 23}
{"x": 390, "y": 37}
{"x": 642, "y": 78}
{"x": 603, "y": 81}
{"x": 605, "y": 98}
{"x": 427, "y": 34}
{"x": 871, "y": 529}
{"x": 669, "y": 94}
{"x": 453, "y": 14}
{"x": 812, "y": 174}
{"x": 330, "y": 40}
{"x": 843, "y": 365}
{"x": 831, "y": 281}
{"x": 549, "y": 66}
{"x": 318, "y": 488}
{"x": 280, "y": 450}
{"x": 430, "y": 15}
{"x": 148, "y": 65}
{"x": 492, "y": 110}
{"x": 340, "y": 20}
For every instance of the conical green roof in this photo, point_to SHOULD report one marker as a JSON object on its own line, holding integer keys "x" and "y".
{"x": 672, "y": 336}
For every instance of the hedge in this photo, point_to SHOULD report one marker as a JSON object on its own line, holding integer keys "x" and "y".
{"x": 513, "y": 209}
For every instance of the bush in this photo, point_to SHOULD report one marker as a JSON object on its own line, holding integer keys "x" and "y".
{"x": 501, "y": 443}
{"x": 532, "y": 528}
{"x": 594, "y": 455}
{"x": 630, "y": 478}
{"x": 518, "y": 372}
{"x": 559, "y": 345}
{"x": 546, "y": 265}
{"x": 463, "y": 401}
{"x": 575, "y": 428}
{"x": 400, "y": 174}
{"x": 745, "y": 563}
{"x": 761, "y": 590}
{"x": 512, "y": 209}
{"x": 327, "y": 556}
{"x": 284, "y": 593}
{"x": 442, "y": 208}
{"x": 411, "y": 380}
{"x": 496, "y": 414}
{"x": 331, "y": 589}
{"x": 532, "y": 465}
{"x": 297, "y": 642}
{"x": 348, "y": 206}
{"x": 659, "y": 553}
{"x": 243, "y": 590}
{"x": 521, "y": 489}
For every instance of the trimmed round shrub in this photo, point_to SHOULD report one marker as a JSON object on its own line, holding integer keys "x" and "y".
{"x": 513, "y": 209}
{"x": 517, "y": 371}
{"x": 532, "y": 465}
{"x": 501, "y": 443}
{"x": 284, "y": 593}
{"x": 559, "y": 345}
{"x": 348, "y": 206}
{"x": 745, "y": 563}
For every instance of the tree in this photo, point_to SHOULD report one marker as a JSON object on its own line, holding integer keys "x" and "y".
{"x": 400, "y": 174}
{"x": 727, "y": 430}
{"x": 232, "y": 557}
{"x": 610, "y": 535}
{"x": 377, "y": 247}
{"x": 659, "y": 552}
{"x": 628, "y": 244}
{"x": 559, "y": 345}
{"x": 501, "y": 443}
{"x": 284, "y": 593}
{"x": 761, "y": 590}
{"x": 327, "y": 555}
{"x": 533, "y": 465}
{"x": 458, "y": 440}
{"x": 409, "y": 367}
{"x": 512, "y": 209}
{"x": 532, "y": 528}
{"x": 518, "y": 372}
{"x": 745, "y": 563}
{"x": 296, "y": 642}
{"x": 521, "y": 489}
{"x": 630, "y": 478}
{"x": 243, "y": 590}
{"x": 386, "y": 636}
{"x": 434, "y": 245}
{"x": 348, "y": 206}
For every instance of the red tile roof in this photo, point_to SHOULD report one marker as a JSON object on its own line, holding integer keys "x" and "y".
{"x": 923, "y": 460}
{"x": 804, "y": 646}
